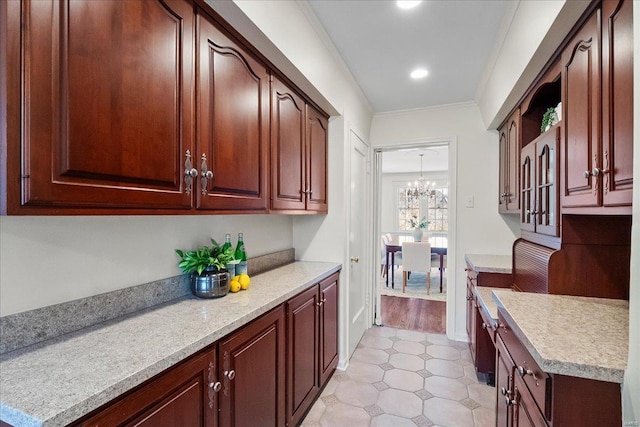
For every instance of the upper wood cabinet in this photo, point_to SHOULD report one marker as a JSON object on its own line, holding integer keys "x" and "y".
{"x": 617, "y": 103}
{"x": 539, "y": 177}
{"x": 107, "y": 109}
{"x": 288, "y": 175}
{"x": 510, "y": 142}
{"x": 581, "y": 105}
{"x": 140, "y": 107}
{"x": 597, "y": 150}
{"x": 233, "y": 124}
{"x": 298, "y": 153}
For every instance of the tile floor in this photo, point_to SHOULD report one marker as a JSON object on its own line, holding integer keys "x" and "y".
{"x": 401, "y": 378}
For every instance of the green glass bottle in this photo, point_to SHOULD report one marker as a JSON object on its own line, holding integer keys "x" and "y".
{"x": 241, "y": 256}
{"x": 227, "y": 242}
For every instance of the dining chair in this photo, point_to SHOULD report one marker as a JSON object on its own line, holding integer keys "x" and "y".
{"x": 416, "y": 257}
{"x": 383, "y": 256}
{"x": 435, "y": 262}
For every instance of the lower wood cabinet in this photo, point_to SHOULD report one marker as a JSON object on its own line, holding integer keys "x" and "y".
{"x": 312, "y": 352}
{"x": 267, "y": 373}
{"x": 252, "y": 372}
{"x": 528, "y": 396}
{"x": 181, "y": 396}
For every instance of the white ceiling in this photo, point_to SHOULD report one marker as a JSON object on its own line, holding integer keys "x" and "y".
{"x": 381, "y": 44}
{"x": 408, "y": 160}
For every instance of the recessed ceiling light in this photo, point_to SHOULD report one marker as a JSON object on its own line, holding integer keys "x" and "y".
{"x": 419, "y": 73}
{"x": 408, "y": 4}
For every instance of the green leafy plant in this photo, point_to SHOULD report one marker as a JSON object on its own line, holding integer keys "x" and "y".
{"x": 548, "y": 119}
{"x": 195, "y": 261}
{"x": 413, "y": 221}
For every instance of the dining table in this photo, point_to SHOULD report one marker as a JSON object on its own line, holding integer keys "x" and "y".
{"x": 394, "y": 245}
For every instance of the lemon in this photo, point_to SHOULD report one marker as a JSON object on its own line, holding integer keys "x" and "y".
{"x": 245, "y": 281}
{"x": 234, "y": 286}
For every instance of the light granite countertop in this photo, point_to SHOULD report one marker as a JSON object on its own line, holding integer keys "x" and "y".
{"x": 484, "y": 296}
{"x": 63, "y": 379}
{"x": 575, "y": 336}
{"x": 484, "y": 263}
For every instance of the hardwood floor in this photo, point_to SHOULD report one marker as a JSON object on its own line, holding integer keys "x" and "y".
{"x": 414, "y": 313}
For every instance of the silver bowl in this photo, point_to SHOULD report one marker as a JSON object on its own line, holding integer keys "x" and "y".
{"x": 210, "y": 284}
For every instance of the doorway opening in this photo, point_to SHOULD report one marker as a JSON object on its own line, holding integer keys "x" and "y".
{"x": 414, "y": 188}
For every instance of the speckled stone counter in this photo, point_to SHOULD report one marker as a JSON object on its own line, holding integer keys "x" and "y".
{"x": 484, "y": 296}
{"x": 489, "y": 263}
{"x": 567, "y": 335}
{"x": 60, "y": 380}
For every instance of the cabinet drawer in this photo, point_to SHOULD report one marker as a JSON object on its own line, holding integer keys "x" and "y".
{"x": 538, "y": 382}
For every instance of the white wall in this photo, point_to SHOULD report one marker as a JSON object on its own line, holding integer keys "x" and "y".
{"x": 48, "y": 260}
{"x": 480, "y": 229}
{"x": 631, "y": 385}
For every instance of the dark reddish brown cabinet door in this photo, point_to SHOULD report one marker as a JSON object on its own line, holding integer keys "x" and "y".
{"x": 509, "y": 161}
{"x": 527, "y": 183}
{"x": 547, "y": 219}
{"x": 525, "y": 410}
{"x": 504, "y": 390}
{"x": 252, "y": 372}
{"x": 581, "y": 108}
{"x": 329, "y": 289}
{"x": 316, "y": 179}
{"x": 617, "y": 104}
{"x": 233, "y": 124}
{"x": 181, "y": 396}
{"x": 302, "y": 353}
{"x": 288, "y": 171}
{"x": 107, "y": 101}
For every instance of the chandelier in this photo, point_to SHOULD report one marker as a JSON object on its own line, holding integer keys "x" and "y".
{"x": 420, "y": 188}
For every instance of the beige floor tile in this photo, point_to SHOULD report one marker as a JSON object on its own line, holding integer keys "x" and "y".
{"x": 331, "y": 386}
{"x": 443, "y": 352}
{"x": 448, "y": 388}
{"x": 409, "y": 347}
{"x": 407, "y": 335}
{"x": 448, "y": 413}
{"x": 386, "y": 420}
{"x": 483, "y": 394}
{"x": 370, "y": 355}
{"x": 403, "y": 380}
{"x": 408, "y": 362}
{"x": 356, "y": 393}
{"x": 315, "y": 413}
{"x": 484, "y": 417}
{"x": 439, "y": 339}
{"x": 364, "y": 372}
{"x": 376, "y": 342}
{"x": 341, "y": 415}
{"x": 400, "y": 403}
{"x": 379, "y": 331}
{"x": 444, "y": 368}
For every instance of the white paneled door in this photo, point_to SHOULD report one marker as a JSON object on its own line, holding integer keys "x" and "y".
{"x": 358, "y": 219}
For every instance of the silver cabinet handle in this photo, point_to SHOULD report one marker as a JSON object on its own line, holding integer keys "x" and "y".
{"x": 468, "y": 298}
{"x": 230, "y": 374}
{"x": 526, "y": 371}
{"x": 215, "y": 386}
{"x": 508, "y": 401}
{"x": 484, "y": 325}
{"x": 587, "y": 174}
{"x": 189, "y": 173}
{"x": 206, "y": 174}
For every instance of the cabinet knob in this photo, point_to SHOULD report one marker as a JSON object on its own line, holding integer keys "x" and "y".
{"x": 230, "y": 374}
{"x": 215, "y": 386}
{"x": 484, "y": 325}
{"x": 598, "y": 171}
{"x": 468, "y": 297}
{"x": 525, "y": 371}
{"x": 508, "y": 401}
{"x": 587, "y": 174}
{"x": 504, "y": 391}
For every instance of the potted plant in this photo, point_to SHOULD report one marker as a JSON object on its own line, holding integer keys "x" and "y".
{"x": 417, "y": 227}
{"x": 207, "y": 269}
